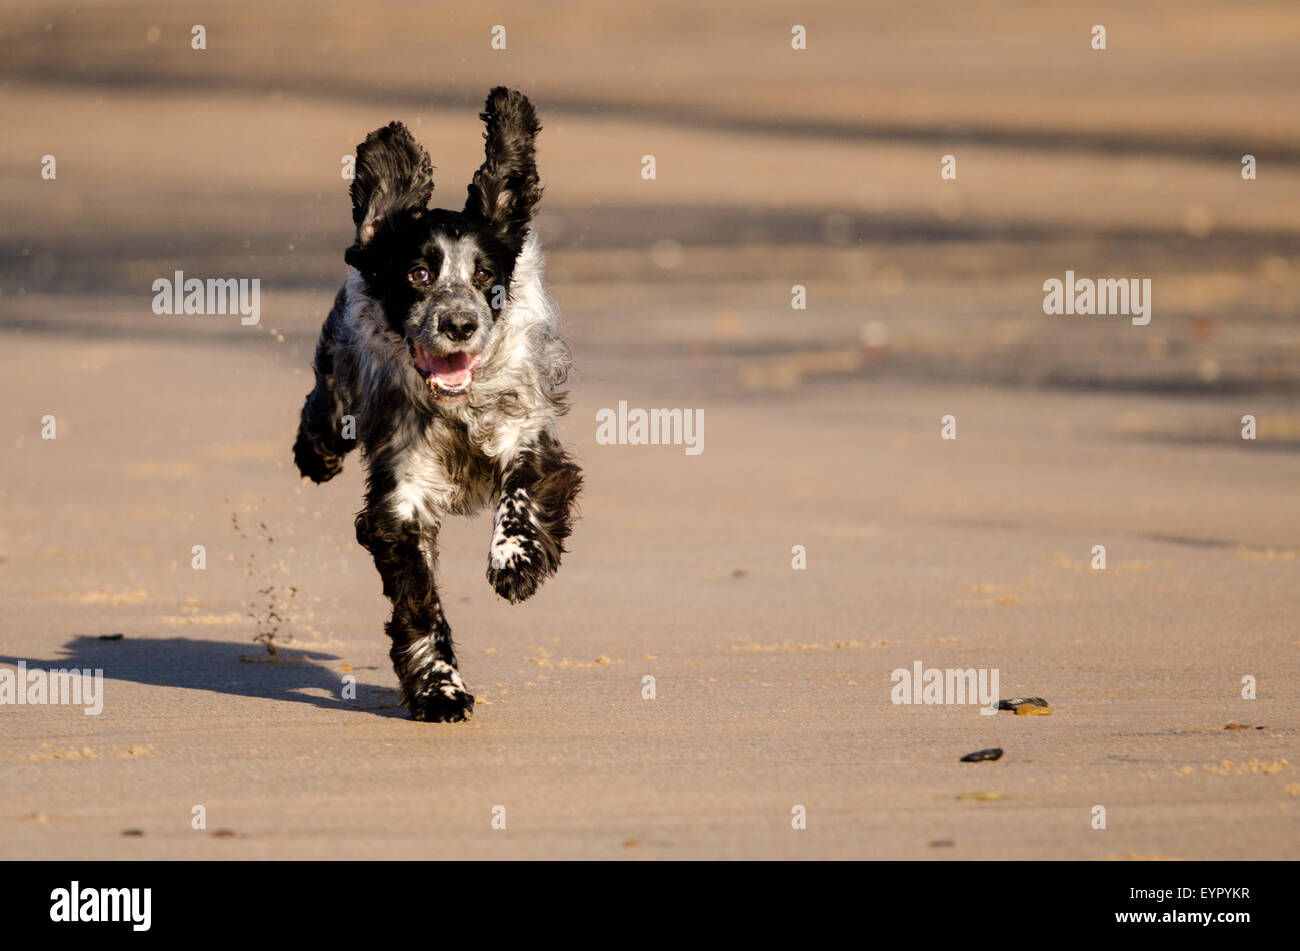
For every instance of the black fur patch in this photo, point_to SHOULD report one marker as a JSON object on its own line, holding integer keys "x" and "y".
{"x": 505, "y": 189}
{"x": 393, "y": 175}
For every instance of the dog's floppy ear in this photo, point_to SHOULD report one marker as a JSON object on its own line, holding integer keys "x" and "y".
{"x": 393, "y": 174}
{"x": 505, "y": 190}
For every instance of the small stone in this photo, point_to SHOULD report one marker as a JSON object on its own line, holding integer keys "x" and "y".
{"x": 111, "y": 637}
{"x": 133, "y": 833}
{"x": 1020, "y": 702}
{"x": 982, "y": 756}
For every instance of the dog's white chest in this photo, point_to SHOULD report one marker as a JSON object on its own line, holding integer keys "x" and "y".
{"x": 426, "y": 488}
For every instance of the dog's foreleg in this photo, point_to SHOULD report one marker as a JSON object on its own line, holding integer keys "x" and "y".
{"x": 534, "y": 498}
{"x": 422, "y": 652}
{"x": 323, "y": 440}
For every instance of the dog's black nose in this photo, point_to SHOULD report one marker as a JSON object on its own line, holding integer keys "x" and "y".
{"x": 458, "y": 327}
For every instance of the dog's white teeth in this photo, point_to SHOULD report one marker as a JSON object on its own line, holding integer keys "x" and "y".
{"x": 442, "y": 388}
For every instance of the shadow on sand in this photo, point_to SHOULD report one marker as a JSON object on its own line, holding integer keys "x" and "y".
{"x": 216, "y": 666}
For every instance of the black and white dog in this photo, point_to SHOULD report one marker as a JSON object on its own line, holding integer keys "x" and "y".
{"x": 444, "y": 351}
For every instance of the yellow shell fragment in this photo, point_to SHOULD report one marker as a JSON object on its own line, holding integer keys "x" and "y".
{"x": 1032, "y": 710}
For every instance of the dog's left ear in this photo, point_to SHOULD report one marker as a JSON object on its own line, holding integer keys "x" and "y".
{"x": 505, "y": 190}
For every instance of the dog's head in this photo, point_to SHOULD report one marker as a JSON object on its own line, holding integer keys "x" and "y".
{"x": 443, "y": 277}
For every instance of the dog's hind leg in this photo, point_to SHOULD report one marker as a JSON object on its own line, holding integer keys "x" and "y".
{"x": 323, "y": 438}
{"x": 423, "y": 657}
{"x": 534, "y": 499}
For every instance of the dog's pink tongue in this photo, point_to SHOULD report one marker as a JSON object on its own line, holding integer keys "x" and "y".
{"x": 452, "y": 370}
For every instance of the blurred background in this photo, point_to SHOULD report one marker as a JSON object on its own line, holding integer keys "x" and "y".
{"x": 774, "y": 167}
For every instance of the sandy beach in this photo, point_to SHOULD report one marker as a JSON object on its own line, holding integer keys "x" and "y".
{"x": 824, "y": 536}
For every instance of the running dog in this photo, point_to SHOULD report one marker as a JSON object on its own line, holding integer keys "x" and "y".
{"x": 443, "y": 358}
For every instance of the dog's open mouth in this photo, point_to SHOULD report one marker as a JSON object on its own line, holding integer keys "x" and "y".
{"x": 448, "y": 374}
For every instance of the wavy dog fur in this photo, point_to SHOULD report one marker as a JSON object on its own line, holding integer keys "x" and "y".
{"x": 431, "y": 293}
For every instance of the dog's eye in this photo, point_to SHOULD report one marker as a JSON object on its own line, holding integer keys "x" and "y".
{"x": 483, "y": 275}
{"x": 418, "y": 275}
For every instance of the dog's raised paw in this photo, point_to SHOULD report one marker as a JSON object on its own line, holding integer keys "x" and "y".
{"x": 312, "y": 463}
{"x": 512, "y": 585}
{"x": 516, "y": 567}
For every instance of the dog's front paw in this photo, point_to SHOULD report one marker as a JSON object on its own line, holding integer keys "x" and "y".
{"x": 444, "y": 704}
{"x": 438, "y": 695}
{"x": 312, "y": 462}
{"x": 516, "y": 568}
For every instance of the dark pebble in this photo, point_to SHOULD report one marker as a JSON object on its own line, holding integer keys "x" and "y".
{"x": 981, "y": 756}
{"x": 1021, "y": 701}
{"x": 111, "y": 637}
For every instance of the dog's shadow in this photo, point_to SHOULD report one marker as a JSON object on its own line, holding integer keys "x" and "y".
{"x": 243, "y": 670}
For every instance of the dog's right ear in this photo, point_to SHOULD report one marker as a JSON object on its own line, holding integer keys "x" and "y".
{"x": 393, "y": 175}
